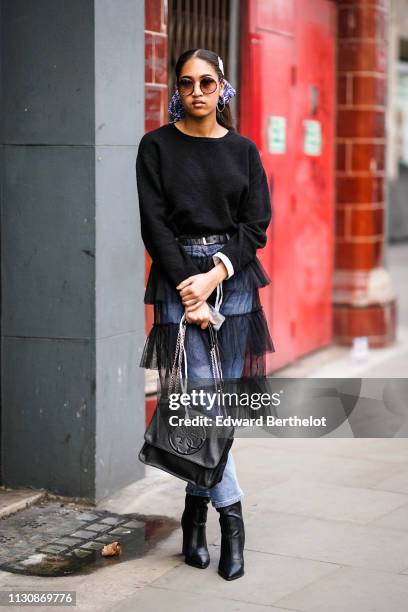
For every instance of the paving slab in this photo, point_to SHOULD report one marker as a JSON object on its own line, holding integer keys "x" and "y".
{"x": 284, "y": 463}
{"x": 351, "y": 589}
{"x": 397, "y": 519}
{"x": 13, "y": 500}
{"x": 303, "y": 496}
{"x": 339, "y": 542}
{"x": 267, "y": 577}
{"x": 152, "y": 599}
{"x": 396, "y": 482}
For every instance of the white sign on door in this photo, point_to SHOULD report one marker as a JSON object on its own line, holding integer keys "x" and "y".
{"x": 276, "y": 134}
{"x": 312, "y": 137}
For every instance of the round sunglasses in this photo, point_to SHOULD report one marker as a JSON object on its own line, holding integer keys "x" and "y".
{"x": 207, "y": 85}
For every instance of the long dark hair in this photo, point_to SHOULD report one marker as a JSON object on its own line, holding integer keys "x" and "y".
{"x": 224, "y": 117}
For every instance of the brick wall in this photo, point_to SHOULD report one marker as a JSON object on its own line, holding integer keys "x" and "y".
{"x": 364, "y": 301}
{"x": 156, "y": 63}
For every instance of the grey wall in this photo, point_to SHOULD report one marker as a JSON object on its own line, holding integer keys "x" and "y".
{"x": 72, "y": 257}
{"x": 120, "y": 262}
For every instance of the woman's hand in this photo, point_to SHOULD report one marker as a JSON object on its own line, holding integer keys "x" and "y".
{"x": 200, "y": 316}
{"x": 195, "y": 289}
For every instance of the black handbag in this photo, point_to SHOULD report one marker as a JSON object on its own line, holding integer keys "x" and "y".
{"x": 195, "y": 453}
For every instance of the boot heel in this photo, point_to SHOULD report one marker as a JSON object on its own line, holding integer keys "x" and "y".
{"x": 193, "y": 523}
{"x": 231, "y": 565}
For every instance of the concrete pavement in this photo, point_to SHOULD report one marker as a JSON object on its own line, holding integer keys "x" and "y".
{"x": 327, "y": 531}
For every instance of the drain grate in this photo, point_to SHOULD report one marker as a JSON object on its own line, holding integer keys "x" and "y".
{"x": 52, "y": 539}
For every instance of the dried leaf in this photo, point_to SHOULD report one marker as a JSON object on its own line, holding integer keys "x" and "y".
{"x": 111, "y": 550}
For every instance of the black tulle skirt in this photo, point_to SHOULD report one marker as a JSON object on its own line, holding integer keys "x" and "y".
{"x": 243, "y": 336}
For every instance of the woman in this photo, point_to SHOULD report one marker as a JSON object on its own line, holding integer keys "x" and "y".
{"x": 204, "y": 210}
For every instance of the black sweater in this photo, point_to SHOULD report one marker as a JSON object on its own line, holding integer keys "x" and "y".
{"x": 200, "y": 185}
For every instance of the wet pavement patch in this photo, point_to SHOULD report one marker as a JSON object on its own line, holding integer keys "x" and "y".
{"x": 54, "y": 539}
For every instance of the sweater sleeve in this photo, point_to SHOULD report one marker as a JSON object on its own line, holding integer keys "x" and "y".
{"x": 253, "y": 217}
{"x": 157, "y": 236}
{"x": 217, "y": 257}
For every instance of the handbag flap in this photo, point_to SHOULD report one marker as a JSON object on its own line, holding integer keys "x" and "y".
{"x": 200, "y": 444}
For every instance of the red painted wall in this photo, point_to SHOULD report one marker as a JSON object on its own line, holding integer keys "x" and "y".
{"x": 156, "y": 88}
{"x": 287, "y": 77}
{"x": 156, "y": 96}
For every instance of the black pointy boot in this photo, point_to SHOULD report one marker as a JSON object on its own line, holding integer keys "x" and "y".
{"x": 231, "y": 563}
{"x": 193, "y": 523}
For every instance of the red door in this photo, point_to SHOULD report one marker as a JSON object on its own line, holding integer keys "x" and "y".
{"x": 287, "y": 96}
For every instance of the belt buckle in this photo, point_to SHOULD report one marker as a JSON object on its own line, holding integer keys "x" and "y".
{"x": 204, "y": 240}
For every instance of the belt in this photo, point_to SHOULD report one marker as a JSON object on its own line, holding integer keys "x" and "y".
{"x": 208, "y": 239}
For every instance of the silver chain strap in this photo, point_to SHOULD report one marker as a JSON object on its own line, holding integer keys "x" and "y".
{"x": 176, "y": 380}
{"x": 215, "y": 359}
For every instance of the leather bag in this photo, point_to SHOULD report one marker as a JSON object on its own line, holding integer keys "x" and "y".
{"x": 195, "y": 453}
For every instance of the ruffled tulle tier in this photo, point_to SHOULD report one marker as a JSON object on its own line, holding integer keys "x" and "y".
{"x": 242, "y": 338}
{"x": 252, "y": 276}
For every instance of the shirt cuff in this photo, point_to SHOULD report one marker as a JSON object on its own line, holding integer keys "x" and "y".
{"x": 226, "y": 261}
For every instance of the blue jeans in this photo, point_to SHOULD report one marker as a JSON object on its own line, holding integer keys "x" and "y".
{"x": 227, "y": 491}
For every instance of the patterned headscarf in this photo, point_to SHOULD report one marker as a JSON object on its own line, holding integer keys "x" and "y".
{"x": 176, "y": 108}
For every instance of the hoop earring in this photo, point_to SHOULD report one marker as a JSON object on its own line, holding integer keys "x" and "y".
{"x": 220, "y": 109}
